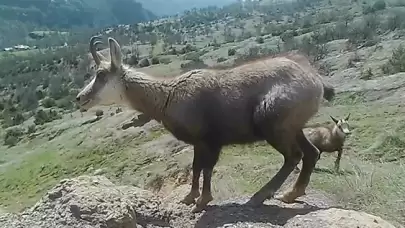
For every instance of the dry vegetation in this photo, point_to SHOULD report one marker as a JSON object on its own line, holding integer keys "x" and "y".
{"x": 358, "y": 44}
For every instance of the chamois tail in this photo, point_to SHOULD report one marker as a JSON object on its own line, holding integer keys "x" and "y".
{"x": 328, "y": 91}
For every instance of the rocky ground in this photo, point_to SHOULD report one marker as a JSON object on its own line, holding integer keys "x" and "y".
{"x": 94, "y": 201}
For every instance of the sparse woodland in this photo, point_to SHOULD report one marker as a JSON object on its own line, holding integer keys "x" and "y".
{"x": 39, "y": 86}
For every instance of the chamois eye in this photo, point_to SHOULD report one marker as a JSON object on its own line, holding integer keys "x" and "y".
{"x": 101, "y": 76}
{"x": 87, "y": 76}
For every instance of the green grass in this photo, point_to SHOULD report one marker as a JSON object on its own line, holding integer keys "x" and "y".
{"x": 24, "y": 182}
{"x": 377, "y": 188}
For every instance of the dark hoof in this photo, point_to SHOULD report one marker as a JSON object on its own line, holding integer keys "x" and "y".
{"x": 254, "y": 202}
{"x": 197, "y": 208}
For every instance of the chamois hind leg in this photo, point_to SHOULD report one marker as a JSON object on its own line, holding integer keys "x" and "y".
{"x": 337, "y": 162}
{"x": 195, "y": 185}
{"x": 209, "y": 158}
{"x": 297, "y": 169}
{"x": 309, "y": 160}
{"x": 288, "y": 147}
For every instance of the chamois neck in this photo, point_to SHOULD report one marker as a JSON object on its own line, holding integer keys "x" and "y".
{"x": 338, "y": 133}
{"x": 146, "y": 93}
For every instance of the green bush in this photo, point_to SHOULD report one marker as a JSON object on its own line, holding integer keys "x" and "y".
{"x": 231, "y": 51}
{"x": 42, "y": 116}
{"x": 260, "y": 40}
{"x": 133, "y": 60}
{"x": 396, "y": 63}
{"x": 99, "y": 113}
{"x": 221, "y": 59}
{"x": 18, "y": 118}
{"x": 155, "y": 60}
{"x": 31, "y": 129}
{"x": 367, "y": 75}
{"x": 144, "y": 62}
{"x": 13, "y": 136}
{"x": 48, "y": 102}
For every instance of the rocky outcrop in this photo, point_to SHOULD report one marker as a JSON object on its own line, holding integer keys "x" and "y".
{"x": 87, "y": 202}
{"x": 95, "y": 202}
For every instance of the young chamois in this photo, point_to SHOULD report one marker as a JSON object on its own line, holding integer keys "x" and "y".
{"x": 270, "y": 100}
{"x": 329, "y": 138}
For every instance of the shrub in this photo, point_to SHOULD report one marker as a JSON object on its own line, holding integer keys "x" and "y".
{"x": 396, "y": 63}
{"x": 231, "y": 51}
{"x": 172, "y": 51}
{"x": 155, "y": 60}
{"x": 31, "y": 129}
{"x": 42, "y": 116}
{"x": 99, "y": 113}
{"x": 221, "y": 59}
{"x": 194, "y": 56}
{"x": 18, "y": 118}
{"x": 13, "y": 136}
{"x": 260, "y": 40}
{"x": 133, "y": 60}
{"x": 144, "y": 62}
{"x": 367, "y": 75}
{"x": 187, "y": 48}
{"x": 48, "y": 102}
{"x": 194, "y": 64}
{"x": 65, "y": 103}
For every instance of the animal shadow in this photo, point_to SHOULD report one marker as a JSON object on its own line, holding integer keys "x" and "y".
{"x": 219, "y": 215}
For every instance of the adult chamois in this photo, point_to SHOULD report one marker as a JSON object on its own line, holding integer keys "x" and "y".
{"x": 270, "y": 100}
{"x": 329, "y": 138}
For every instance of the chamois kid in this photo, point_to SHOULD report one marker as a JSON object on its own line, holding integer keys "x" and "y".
{"x": 329, "y": 138}
{"x": 270, "y": 99}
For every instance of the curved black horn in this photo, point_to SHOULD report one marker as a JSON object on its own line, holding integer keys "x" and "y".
{"x": 93, "y": 50}
{"x": 334, "y": 119}
{"x": 347, "y": 118}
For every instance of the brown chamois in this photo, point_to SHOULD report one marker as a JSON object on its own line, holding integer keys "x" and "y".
{"x": 270, "y": 99}
{"x": 329, "y": 138}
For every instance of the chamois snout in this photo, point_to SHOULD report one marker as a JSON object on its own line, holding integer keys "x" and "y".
{"x": 346, "y": 130}
{"x": 343, "y": 124}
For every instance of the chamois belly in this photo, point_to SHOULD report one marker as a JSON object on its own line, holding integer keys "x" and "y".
{"x": 219, "y": 123}
{"x": 324, "y": 147}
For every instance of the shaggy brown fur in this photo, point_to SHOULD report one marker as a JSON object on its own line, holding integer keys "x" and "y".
{"x": 267, "y": 100}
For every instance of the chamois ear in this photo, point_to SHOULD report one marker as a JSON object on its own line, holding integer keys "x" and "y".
{"x": 334, "y": 120}
{"x": 115, "y": 53}
{"x": 347, "y": 118}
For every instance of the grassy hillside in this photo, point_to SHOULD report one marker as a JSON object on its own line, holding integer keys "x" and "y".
{"x": 17, "y": 18}
{"x": 358, "y": 44}
{"x": 171, "y": 7}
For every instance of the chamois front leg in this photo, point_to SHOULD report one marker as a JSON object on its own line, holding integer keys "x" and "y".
{"x": 337, "y": 162}
{"x": 195, "y": 185}
{"x": 209, "y": 158}
{"x": 206, "y": 195}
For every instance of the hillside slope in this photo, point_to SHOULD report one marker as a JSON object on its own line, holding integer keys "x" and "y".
{"x": 171, "y": 7}
{"x": 18, "y": 17}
